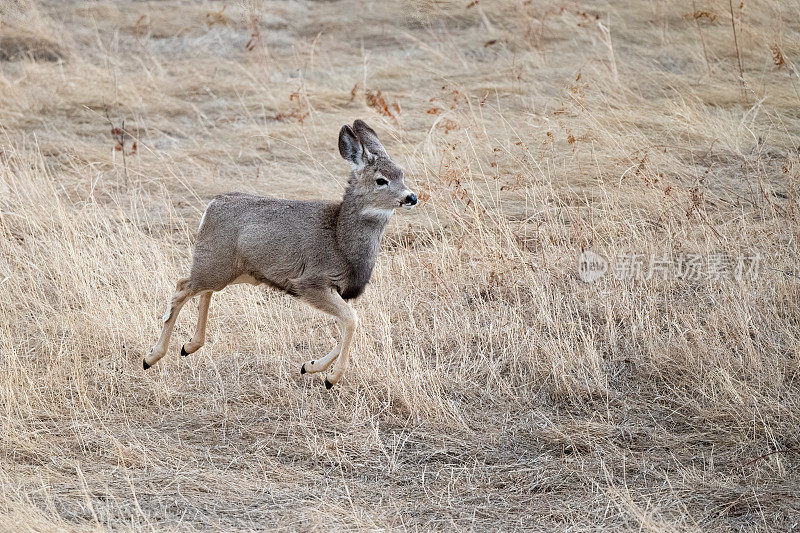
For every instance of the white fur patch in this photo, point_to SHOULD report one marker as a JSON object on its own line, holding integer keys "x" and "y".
{"x": 246, "y": 278}
{"x": 166, "y": 315}
{"x": 203, "y": 218}
{"x": 374, "y": 212}
{"x": 357, "y": 167}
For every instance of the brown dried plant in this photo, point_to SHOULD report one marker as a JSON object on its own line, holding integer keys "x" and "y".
{"x": 377, "y": 101}
{"x": 777, "y": 56}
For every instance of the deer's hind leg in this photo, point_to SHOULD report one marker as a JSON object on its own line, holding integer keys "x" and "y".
{"x": 199, "y": 338}
{"x": 183, "y": 292}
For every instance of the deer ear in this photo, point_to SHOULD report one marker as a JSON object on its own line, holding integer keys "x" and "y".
{"x": 369, "y": 138}
{"x": 351, "y": 148}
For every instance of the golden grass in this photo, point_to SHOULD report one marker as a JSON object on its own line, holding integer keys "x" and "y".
{"x": 491, "y": 388}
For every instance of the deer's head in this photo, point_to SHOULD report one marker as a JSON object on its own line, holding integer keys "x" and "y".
{"x": 376, "y": 179}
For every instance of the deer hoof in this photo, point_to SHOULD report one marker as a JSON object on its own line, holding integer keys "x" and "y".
{"x": 303, "y": 369}
{"x": 184, "y": 353}
{"x": 328, "y": 384}
{"x": 145, "y": 365}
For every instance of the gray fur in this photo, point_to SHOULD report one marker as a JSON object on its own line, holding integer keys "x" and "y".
{"x": 293, "y": 245}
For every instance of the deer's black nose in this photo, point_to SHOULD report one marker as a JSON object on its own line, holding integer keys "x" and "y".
{"x": 411, "y": 199}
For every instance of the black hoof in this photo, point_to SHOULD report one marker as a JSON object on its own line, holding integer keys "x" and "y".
{"x": 184, "y": 353}
{"x": 303, "y": 369}
{"x": 328, "y": 384}
{"x": 145, "y": 365}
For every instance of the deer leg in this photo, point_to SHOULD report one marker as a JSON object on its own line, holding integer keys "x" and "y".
{"x": 182, "y": 294}
{"x": 330, "y": 302}
{"x": 320, "y": 365}
{"x": 349, "y": 324}
{"x": 199, "y": 337}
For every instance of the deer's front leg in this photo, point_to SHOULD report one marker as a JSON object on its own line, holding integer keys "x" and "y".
{"x": 349, "y": 324}
{"x": 320, "y": 365}
{"x": 329, "y": 301}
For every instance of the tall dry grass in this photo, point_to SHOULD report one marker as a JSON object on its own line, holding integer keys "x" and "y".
{"x": 491, "y": 388}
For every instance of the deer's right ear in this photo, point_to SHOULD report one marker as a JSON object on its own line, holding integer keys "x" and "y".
{"x": 351, "y": 148}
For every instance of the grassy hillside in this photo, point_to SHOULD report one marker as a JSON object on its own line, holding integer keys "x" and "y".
{"x": 490, "y": 387}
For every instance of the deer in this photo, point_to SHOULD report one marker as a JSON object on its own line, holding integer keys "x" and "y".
{"x": 322, "y": 253}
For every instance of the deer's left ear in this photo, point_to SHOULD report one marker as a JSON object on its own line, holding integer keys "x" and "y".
{"x": 352, "y": 149}
{"x": 369, "y": 138}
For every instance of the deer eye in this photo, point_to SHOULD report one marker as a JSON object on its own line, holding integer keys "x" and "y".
{"x": 381, "y": 181}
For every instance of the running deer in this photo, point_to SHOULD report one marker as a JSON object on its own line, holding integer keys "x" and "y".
{"x": 320, "y": 252}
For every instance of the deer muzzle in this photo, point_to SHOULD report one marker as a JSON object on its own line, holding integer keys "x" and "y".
{"x": 409, "y": 201}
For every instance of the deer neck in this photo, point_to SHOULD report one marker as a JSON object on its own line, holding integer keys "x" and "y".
{"x": 359, "y": 229}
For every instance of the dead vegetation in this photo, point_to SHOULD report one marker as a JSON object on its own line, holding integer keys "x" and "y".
{"x": 21, "y": 45}
{"x": 490, "y": 387}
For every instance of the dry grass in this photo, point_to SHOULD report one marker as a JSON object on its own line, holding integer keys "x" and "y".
{"x": 491, "y": 388}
